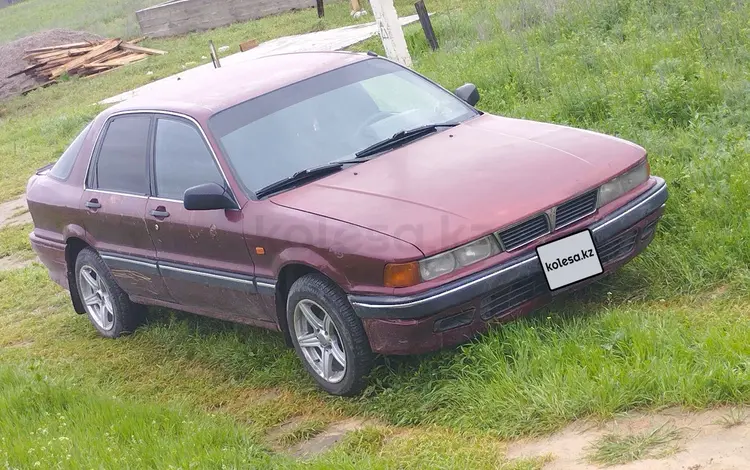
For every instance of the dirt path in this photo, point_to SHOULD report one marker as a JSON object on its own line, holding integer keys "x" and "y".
{"x": 716, "y": 439}
{"x": 14, "y": 212}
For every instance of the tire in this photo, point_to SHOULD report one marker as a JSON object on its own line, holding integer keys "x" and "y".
{"x": 120, "y": 316}
{"x": 315, "y": 293}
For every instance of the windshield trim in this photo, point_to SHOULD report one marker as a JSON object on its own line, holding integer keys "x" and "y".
{"x": 252, "y": 194}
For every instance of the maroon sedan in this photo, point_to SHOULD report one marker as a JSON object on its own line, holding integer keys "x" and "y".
{"x": 339, "y": 198}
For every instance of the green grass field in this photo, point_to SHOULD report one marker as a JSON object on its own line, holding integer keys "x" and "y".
{"x": 111, "y": 18}
{"x": 670, "y": 329}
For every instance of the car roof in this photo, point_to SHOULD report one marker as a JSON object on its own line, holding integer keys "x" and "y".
{"x": 205, "y": 90}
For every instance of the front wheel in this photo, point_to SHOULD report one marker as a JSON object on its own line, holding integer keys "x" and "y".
{"x": 328, "y": 336}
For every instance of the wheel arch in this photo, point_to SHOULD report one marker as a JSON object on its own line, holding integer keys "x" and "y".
{"x": 288, "y": 275}
{"x": 73, "y": 246}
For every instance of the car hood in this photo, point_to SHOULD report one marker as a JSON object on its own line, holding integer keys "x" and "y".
{"x": 468, "y": 181}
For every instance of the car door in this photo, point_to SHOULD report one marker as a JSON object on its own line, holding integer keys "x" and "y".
{"x": 114, "y": 205}
{"x": 202, "y": 255}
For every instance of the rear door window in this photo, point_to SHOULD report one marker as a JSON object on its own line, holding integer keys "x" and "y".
{"x": 122, "y": 164}
{"x": 64, "y": 165}
{"x": 182, "y": 159}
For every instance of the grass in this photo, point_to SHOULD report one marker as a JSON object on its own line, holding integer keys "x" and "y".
{"x": 14, "y": 240}
{"x": 303, "y": 431}
{"x": 669, "y": 329}
{"x": 116, "y": 18}
{"x": 54, "y": 424}
{"x": 111, "y": 18}
{"x": 574, "y": 360}
{"x": 734, "y": 417}
{"x": 614, "y": 449}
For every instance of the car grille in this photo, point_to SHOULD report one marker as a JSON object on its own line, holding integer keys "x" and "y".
{"x": 576, "y": 209}
{"x": 617, "y": 247}
{"x": 512, "y": 295}
{"x": 524, "y": 232}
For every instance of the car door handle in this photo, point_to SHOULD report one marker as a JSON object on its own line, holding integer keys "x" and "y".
{"x": 160, "y": 213}
{"x": 93, "y": 204}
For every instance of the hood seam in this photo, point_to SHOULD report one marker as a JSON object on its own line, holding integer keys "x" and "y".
{"x": 349, "y": 223}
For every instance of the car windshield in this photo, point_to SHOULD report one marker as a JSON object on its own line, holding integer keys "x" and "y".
{"x": 327, "y": 118}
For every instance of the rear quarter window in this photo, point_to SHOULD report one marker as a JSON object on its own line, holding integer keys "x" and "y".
{"x": 61, "y": 170}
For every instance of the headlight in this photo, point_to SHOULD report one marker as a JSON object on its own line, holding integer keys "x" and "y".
{"x": 431, "y": 268}
{"x": 466, "y": 255}
{"x": 623, "y": 183}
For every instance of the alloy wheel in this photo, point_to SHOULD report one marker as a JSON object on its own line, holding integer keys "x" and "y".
{"x": 319, "y": 341}
{"x": 96, "y": 297}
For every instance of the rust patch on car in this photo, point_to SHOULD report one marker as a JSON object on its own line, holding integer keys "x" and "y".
{"x": 130, "y": 275}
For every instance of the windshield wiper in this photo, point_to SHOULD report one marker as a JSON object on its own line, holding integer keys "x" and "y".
{"x": 402, "y": 137}
{"x": 305, "y": 174}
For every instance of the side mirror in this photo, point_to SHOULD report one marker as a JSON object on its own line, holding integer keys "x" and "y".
{"x": 208, "y": 197}
{"x": 468, "y": 93}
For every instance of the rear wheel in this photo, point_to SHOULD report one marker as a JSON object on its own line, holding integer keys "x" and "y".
{"x": 328, "y": 336}
{"x": 108, "y": 307}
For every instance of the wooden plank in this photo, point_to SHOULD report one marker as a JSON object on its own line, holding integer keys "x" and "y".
{"x": 113, "y": 54}
{"x": 117, "y": 62}
{"x": 137, "y": 40}
{"x": 26, "y": 70}
{"x": 78, "y": 61}
{"x": 99, "y": 73}
{"x": 55, "y": 63}
{"x": 247, "y": 45}
{"x": 64, "y": 46}
{"x": 57, "y": 54}
{"x": 143, "y": 50}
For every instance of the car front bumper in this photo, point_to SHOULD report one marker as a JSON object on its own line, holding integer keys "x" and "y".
{"x": 455, "y": 312}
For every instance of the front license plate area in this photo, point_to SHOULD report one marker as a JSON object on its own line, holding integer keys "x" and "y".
{"x": 569, "y": 260}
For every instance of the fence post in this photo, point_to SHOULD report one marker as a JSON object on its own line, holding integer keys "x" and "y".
{"x": 390, "y": 31}
{"x": 424, "y": 20}
{"x": 321, "y": 8}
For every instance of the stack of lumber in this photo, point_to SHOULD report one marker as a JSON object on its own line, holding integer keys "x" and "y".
{"x": 82, "y": 58}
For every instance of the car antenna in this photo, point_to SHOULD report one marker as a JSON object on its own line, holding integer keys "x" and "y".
{"x": 214, "y": 55}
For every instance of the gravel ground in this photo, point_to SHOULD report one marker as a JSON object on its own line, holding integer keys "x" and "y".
{"x": 11, "y": 57}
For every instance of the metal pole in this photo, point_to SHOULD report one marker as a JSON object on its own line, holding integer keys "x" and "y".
{"x": 214, "y": 55}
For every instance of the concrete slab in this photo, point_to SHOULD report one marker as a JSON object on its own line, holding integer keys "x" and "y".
{"x": 330, "y": 40}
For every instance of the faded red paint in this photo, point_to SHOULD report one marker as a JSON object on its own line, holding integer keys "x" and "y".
{"x": 402, "y": 337}
{"x": 423, "y": 198}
